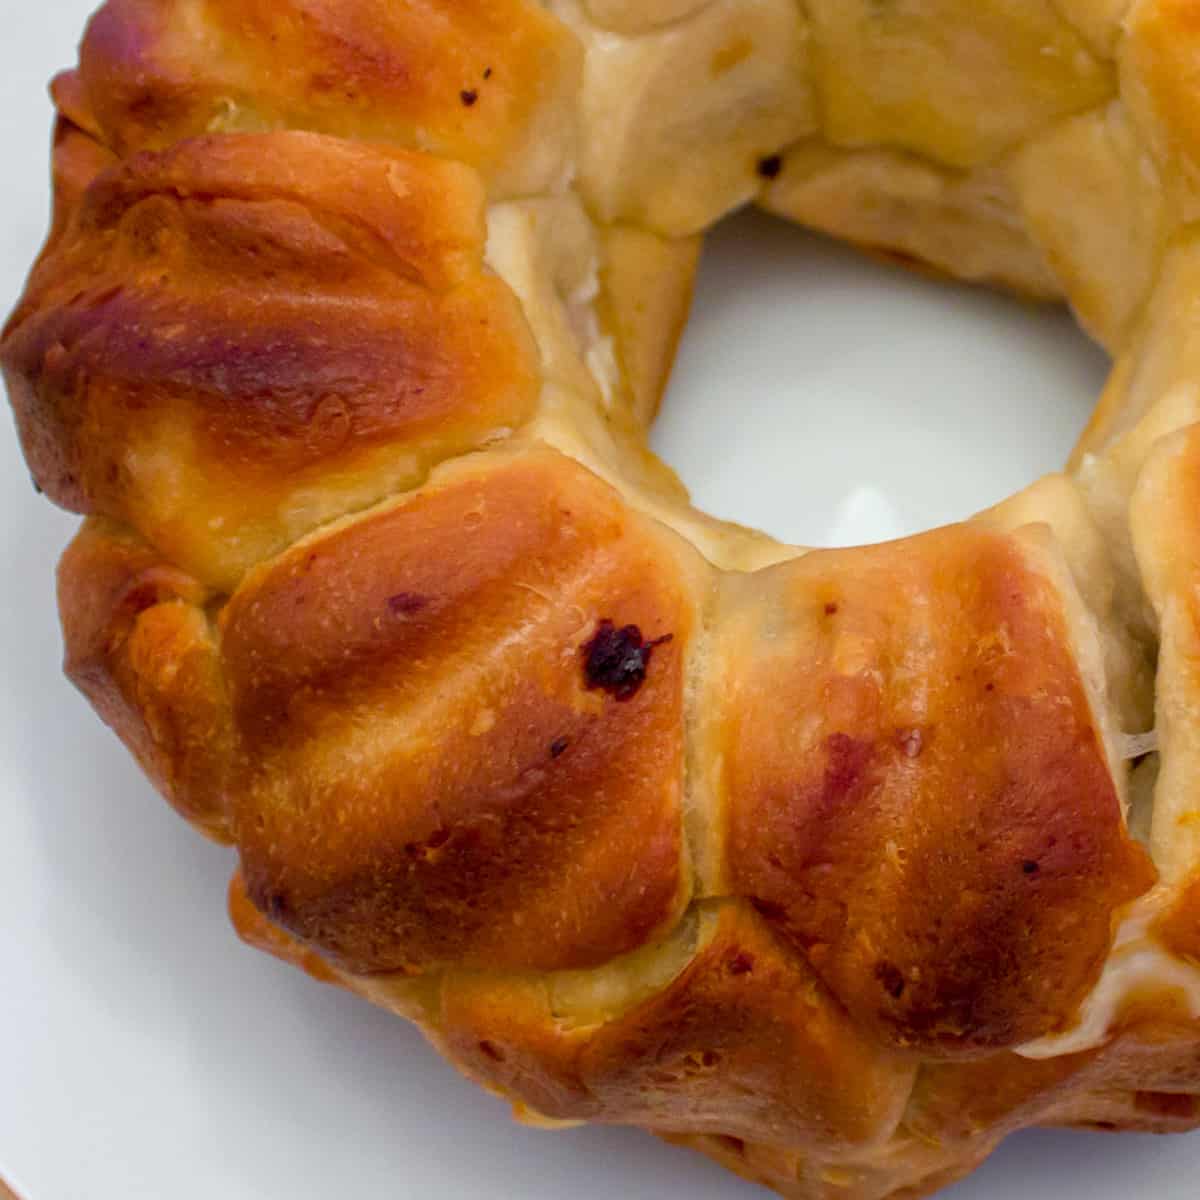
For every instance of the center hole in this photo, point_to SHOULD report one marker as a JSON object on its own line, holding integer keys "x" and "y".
{"x": 831, "y": 401}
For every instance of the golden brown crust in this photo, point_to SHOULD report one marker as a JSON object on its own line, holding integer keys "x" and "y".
{"x": 915, "y": 790}
{"x": 818, "y": 867}
{"x": 1147, "y": 1077}
{"x": 257, "y": 930}
{"x": 907, "y": 1170}
{"x": 522, "y": 817}
{"x": 744, "y": 1041}
{"x": 484, "y": 82}
{"x": 244, "y": 336}
{"x": 77, "y": 159}
{"x": 139, "y": 646}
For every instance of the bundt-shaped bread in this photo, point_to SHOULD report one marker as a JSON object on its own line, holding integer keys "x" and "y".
{"x": 838, "y": 866}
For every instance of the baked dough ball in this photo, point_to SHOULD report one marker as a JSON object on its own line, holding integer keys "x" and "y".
{"x": 838, "y": 866}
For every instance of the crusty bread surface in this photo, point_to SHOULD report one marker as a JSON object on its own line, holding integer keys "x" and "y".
{"x": 836, "y": 865}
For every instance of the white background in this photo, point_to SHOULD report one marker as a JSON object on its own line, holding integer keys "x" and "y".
{"x": 144, "y": 1053}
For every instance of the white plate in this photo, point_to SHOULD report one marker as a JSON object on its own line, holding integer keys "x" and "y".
{"x": 145, "y": 1054}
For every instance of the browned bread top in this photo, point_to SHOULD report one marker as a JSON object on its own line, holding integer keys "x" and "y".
{"x": 238, "y": 338}
{"x": 832, "y": 864}
{"x": 435, "y": 774}
{"x": 914, "y": 786}
{"x": 485, "y": 82}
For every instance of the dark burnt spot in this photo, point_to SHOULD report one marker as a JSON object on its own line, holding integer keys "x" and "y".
{"x": 487, "y": 72}
{"x": 468, "y": 96}
{"x": 490, "y": 1050}
{"x": 770, "y": 166}
{"x": 37, "y": 487}
{"x": 739, "y": 964}
{"x": 616, "y": 660}
{"x": 406, "y": 604}
{"x": 889, "y": 975}
{"x": 831, "y": 610}
{"x": 1029, "y": 867}
{"x": 558, "y": 747}
{"x": 734, "y": 1144}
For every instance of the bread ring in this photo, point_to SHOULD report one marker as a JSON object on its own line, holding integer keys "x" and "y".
{"x": 838, "y": 866}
